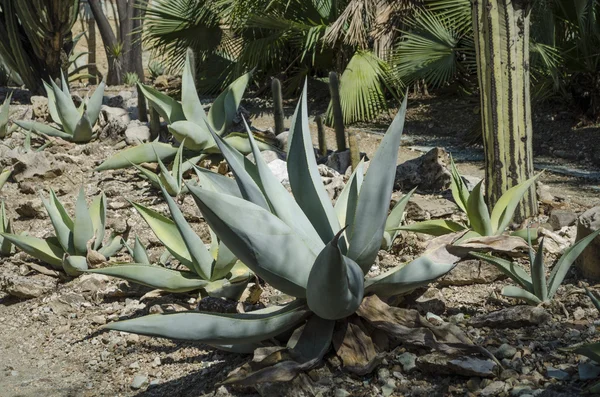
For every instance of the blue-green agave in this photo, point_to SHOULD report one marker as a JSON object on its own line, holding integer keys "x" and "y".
{"x": 214, "y": 270}
{"x": 189, "y": 124}
{"x": 76, "y": 239}
{"x": 299, "y": 243}
{"x": 76, "y": 124}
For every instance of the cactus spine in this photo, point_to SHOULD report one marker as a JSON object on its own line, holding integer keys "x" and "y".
{"x": 338, "y": 116}
{"x": 277, "y": 105}
{"x": 321, "y": 134}
{"x": 501, "y": 30}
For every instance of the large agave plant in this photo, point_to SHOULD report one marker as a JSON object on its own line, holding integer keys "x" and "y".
{"x": 216, "y": 270}
{"x": 189, "y": 123}
{"x": 76, "y": 124}
{"x": 300, "y": 244}
{"x": 77, "y": 241}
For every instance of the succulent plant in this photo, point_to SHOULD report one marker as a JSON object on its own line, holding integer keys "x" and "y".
{"x": 394, "y": 221}
{"x": 4, "y": 175}
{"x": 5, "y": 130}
{"x": 6, "y": 247}
{"x": 188, "y": 121}
{"x": 535, "y": 289}
{"x": 76, "y": 124}
{"x": 77, "y": 241}
{"x": 480, "y": 221}
{"x": 299, "y": 244}
{"x": 216, "y": 270}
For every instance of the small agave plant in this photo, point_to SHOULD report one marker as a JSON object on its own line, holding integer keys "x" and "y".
{"x": 78, "y": 241}
{"x": 188, "y": 121}
{"x": 4, "y": 175}
{"x": 480, "y": 221}
{"x": 76, "y": 124}
{"x": 535, "y": 289}
{"x": 172, "y": 180}
{"x": 214, "y": 270}
{"x": 6, "y": 247}
{"x": 5, "y": 130}
{"x": 299, "y": 244}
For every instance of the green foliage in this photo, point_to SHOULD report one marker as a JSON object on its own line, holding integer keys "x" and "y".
{"x": 6, "y": 247}
{"x": 215, "y": 271}
{"x": 4, "y": 175}
{"x": 480, "y": 221}
{"x": 535, "y": 289}
{"x": 131, "y": 78}
{"x": 75, "y": 239}
{"x": 156, "y": 69}
{"x": 298, "y": 243}
{"x": 76, "y": 124}
{"x": 189, "y": 124}
{"x": 5, "y": 130}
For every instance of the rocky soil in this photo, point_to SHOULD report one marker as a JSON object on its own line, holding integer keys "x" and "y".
{"x": 50, "y": 343}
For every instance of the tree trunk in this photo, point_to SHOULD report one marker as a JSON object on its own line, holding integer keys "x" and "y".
{"x": 501, "y": 30}
{"x": 92, "y": 68}
{"x": 110, "y": 42}
{"x": 136, "y": 41}
{"x": 125, "y": 10}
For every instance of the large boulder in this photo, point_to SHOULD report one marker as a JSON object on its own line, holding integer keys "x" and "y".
{"x": 429, "y": 172}
{"x": 589, "y": 260}
{"x": 114, "y": 122}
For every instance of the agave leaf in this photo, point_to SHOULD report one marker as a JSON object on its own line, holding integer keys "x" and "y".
{"x": 406, "y": 278}
{"x": 197, "y": 137}
{"x": 477, "y": 212}
{"x": 519, "y": 293}
{"x": 239, "y": 141}
{"x": 282, "y": 203}
{"x": 4, "y": 175}
{"x": 52, "y": 103}
{"x": 168, "y": 234}
{"x": 42, "y": 129}
{"x": 505, "y": 208}
{"x": 460, "y": 193}
{"x": 345, "y": 206}
{"x": 224, "y": 261}
{"x": 224, "y": 108}
{"x": 5, "y": 244}
{"x": 566, "y": 260}
{"x": 511, "y": 269}
{"x": 98, "y": 215}
{"x": 246, "y": 173}
{"x": 74, "y": 265}
{"x": 252, "y": 234}
{"x": 62, "y": 223}
{"x": 593, "y": 298}
{"x": 591, "y": 350}
{"x": 538, "y": 272}
{"x": 201, "y": 258}
{"x": 48, "y": 250}
{"x": 115, "y": 243}
{"x": 83, "y": 227}
{"x": 83, "y": 130}
{"x": 157, "y": 277}
{"x": 67, "y": 112}
{"x": 336, "y": 283}
{"x": 223, "y": 288}
{"x": 217, "y": 183}
{"x": 433, "y": 227}
{"x": 394, "y": 219}
{"x": 64, "y": 86}
{"x": 95, "y": 103}
{"x": 166, "y": 179}
{"x": 168, "y": 108}
{"x": 145, "y": 153}
{"x": 314, "y": 340}
{"x": 531, "y": 233}
{"x": 177, "y": 169}
{"x": 192, "y": 107}
{"x": 4, "y": 113}
{"x": 305, "y": 180}
{"x": 151, "y": 176}
{"x": 139, "y": 253}
{"x": 216, "y": 328}
{"x": 374, "y": 199}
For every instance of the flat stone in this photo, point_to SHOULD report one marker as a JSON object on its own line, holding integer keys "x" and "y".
{"x": 561, "y": 218}
{"x": 137, "y": 133}
{"x": 557, "y": 373}
{"x": 440, "y": 364}
{"x": 139, "y": 381}
{"x": 471, "y": 271}
{"x": 431, "y": 301}
{"x": 494, "y": 388}
{"x": 407, "y": 361}
{"x": 512, "y": 317}
{"x": 505, "y": 351}
{"x": 429, "y": 172}
{"x": 28, "y": 287}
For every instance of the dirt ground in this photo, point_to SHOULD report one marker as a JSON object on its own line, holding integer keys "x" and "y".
{"x": 50, "y": 345}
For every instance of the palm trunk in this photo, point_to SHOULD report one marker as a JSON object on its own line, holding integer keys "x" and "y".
{"x": 502, "y": 43}
{"x": 136, "y": 41}
{"x": 110, "y": 42}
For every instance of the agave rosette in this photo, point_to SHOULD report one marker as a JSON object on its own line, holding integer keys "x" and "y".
{"x": 214, "y": 270}
{"x": 76, "y": 123}
{"x": 299, "y": 243}
{"x": 189, "y": 124}
{"x": 75, "y": 238}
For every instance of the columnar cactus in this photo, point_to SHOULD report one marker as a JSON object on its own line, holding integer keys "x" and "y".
{"x": 277, "y": 105}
